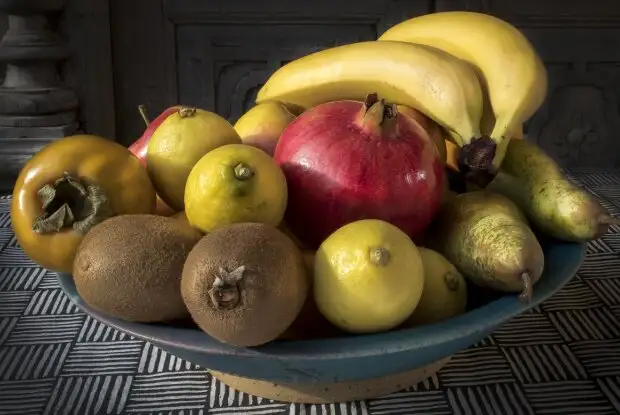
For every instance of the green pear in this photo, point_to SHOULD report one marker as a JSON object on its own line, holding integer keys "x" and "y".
{"x": 532, "y": 180}
{"x": 487, "y": 238}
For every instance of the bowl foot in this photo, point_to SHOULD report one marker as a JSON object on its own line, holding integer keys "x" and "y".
{"x": 319, "y": 392}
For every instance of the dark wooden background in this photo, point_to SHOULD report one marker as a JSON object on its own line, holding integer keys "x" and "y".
{"x": 216, "y": 54}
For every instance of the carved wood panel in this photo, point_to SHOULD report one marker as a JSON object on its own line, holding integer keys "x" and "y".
{"x": 217, "y": 54}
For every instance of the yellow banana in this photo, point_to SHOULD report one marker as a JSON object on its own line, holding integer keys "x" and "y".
{"x": 509, "y": 67}
{"x": 439, "y": 85}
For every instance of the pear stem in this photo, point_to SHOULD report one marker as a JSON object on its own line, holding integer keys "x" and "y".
{"x": 526, "y": 293}
{"x": 143, "y": 114}
{"x": 379, "y": 256}
{"x": 243, "y": 171}
{"x": 608, "y": 220}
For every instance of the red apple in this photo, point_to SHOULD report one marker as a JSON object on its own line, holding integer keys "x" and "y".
{"x": 140, "y": 145}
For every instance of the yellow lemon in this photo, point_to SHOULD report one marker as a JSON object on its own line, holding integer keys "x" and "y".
{"x": 445, "y": 290}
{"x": 235, "y": 183}
{"x": 368, "y": 277}
{"x": 178, "y": 143}
{"x": 262, "y": 125}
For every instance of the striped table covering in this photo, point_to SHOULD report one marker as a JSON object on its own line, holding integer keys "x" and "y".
{"x": 560, "y": 358}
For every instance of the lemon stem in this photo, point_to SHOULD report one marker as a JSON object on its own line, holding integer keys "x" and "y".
{"x": 143, "y": 114}
{"x": 225, "y": 293}
{"x": 186, "y": 112}
{"x": 451, "y": 281}
{"x": 379, "y": 256}
{"x": 243, "y": 171}
{"x": 69, "y": 203}
{"x": 526, "y": 294}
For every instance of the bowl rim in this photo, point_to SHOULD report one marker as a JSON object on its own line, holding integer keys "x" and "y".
{"x": 476, "y": 321}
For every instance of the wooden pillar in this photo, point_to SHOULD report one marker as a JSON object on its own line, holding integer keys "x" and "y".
{"x": 35, "y": 107}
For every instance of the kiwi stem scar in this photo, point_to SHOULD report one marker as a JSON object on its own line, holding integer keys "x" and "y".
{"x": 225, "y": 293}
{"x": 69, "y": 202}
{"x": 379, "y": 256}
{"x": 526, "y": 294}
{"x": 187, "y": 112}
{"x": 451, "y": 281}
{"x": 243, "y": 171}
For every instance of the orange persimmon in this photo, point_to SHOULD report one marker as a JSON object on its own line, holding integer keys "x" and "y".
{"x": 68, "y": 187}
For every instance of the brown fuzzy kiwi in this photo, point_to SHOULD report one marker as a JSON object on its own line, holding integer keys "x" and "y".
{"x": 244, "y": 284}
{"x": 130, "y": 266}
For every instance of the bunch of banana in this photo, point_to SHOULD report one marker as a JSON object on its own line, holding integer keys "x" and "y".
{"x": 447, "y": 65}
{"x": 509, "y": 68}
{"x": 441, "y": 86}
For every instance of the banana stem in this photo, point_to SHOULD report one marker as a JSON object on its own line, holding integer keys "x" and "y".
{"x": 476, "y": 161}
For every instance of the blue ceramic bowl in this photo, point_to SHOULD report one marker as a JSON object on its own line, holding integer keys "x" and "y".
{"x": 355, "y": 357}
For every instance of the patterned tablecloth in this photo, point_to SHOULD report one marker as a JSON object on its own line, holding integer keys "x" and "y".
{"x": 560, "y": 358}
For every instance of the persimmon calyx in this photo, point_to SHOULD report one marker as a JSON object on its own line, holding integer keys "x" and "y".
{"x": 69, "y": 202}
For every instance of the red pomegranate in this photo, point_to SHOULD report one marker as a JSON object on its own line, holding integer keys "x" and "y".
{"x": 349, "y": 160}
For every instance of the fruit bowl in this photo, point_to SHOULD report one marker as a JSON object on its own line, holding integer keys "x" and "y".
{"x": 348, "y": 360}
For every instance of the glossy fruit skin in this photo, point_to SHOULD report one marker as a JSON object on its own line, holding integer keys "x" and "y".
{"x": 262, "y": 125}
{"x": 91, "y": 159}
{"x": 435, "y": 132}
{"x": 360, "y": 294}
{"x": 215, "y": 197}
{"x": 140, "y": 146}
{"x": 337, "y": 174}
{"x": 177, "y": 145}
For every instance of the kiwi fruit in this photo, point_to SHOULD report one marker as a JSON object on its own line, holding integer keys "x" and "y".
{"x": 244, "y": 284}
{"x": 130, "y": 267}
